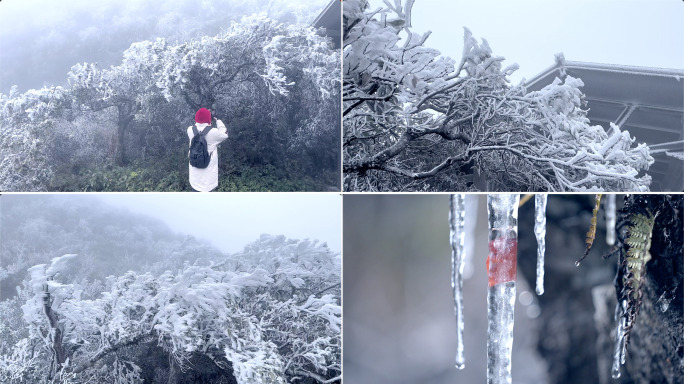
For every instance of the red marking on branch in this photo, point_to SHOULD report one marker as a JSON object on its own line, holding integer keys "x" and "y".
{"x": 502, "y": 260}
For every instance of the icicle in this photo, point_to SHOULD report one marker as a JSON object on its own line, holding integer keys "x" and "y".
{"x": 501, "y": 270}
{"x": 470, "y": 230}
{"x": 620, "y": 346}
{"x": 610, "y": 220}
{"x": 665, "y": 299}
{"x": 540, "y": 233}
{"x": 456, "y": 224}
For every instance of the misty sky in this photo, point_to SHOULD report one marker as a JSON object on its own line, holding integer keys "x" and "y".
{"x": 41, "y": 39}
{"x": 630, "y": 32}
{"x": 230, "y": 221}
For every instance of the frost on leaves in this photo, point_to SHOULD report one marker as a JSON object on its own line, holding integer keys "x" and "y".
{"x": 415, "y": 119}
{"x": 256, "y": 66}
{"x": 269, "y": 314}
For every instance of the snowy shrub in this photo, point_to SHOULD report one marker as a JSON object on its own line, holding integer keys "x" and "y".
{"x": 275, "y": 86}
{"x": 269, "y": 315}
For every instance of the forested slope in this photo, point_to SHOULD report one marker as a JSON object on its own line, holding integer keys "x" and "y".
{"x": 123, "y": 127}
{"x": 95, "y": 294}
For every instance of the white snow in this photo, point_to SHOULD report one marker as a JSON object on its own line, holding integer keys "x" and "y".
{"x": 676, "y": 155}
{"x": 58, "y": 264}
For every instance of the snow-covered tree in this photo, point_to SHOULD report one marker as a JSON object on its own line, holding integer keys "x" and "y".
{"x": 122, "y": 88}
{"x": 109, "y": 240}
{"x": 417, "y": 120}
{"x": 27, "y": 122}
{"x": 270, "y": 314}
{"x": 275, "y": 85}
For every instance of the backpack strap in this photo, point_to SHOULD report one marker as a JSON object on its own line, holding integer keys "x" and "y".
{"x": 194, "y": 131}
{"x": 206, "y": 130}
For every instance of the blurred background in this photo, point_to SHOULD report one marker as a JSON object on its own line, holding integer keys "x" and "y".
{"x": 399, "y": 323}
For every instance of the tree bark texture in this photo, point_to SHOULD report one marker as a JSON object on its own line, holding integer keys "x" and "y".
{"x": 55, "y": 334}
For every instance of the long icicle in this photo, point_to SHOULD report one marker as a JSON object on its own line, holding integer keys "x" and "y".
{"x": 502, "y": 210}
{"x": 540, "y": 233}
{"x": 457, "y": 227}
{"x": 610, "y": 219}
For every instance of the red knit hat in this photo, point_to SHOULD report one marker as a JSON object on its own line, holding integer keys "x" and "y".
{"x": 203, "y": 116}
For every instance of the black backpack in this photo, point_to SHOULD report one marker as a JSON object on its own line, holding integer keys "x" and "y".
{"x": 199, "y": 154}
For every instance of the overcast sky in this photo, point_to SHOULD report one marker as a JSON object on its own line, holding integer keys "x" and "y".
{"x": 40, "y": 40}
{"x": 230, "y": 221}
{"x": 530, "y": 32}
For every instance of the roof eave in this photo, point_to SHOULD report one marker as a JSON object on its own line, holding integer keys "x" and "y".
{"x": 322, "y": 14}
{"x": 627, "y": 69}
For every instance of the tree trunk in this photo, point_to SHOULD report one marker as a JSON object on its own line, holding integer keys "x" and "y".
{"x": 120, "y": 144}
{"x": 55, "y": 333}
{"x": 126, "y": 114}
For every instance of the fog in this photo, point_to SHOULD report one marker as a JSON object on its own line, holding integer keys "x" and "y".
{"x": 530, "y": 33}
{"x": 115, "y": 233}
{"x": 41, "y": 39}
{"x": 231, "y": 221}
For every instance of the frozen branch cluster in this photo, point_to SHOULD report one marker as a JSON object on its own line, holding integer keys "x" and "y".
{"x": 270, "y": 314}
{"x": 24, "y": 162}
{"x": 414, "y": 119}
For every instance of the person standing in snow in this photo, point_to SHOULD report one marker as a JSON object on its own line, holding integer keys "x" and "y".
{"x": 206, "y": 179}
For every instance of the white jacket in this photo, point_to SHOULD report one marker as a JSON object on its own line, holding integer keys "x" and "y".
{"x": 206, "y": 179}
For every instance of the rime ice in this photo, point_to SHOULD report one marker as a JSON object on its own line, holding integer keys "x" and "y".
{"x": 610, "y": 219}
{"x": 620, "y": 342}
{"x": 664, "y": 300}
{"x": 456, "y": 225}
{"x": 540, "y": 233}
{"x": 501, "y": 269}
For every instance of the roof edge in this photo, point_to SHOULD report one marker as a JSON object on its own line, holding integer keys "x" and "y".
{"x": 629, "y": 69}
{"x": 632, "y": 69}
{"x": 325, "y": 10}
{"x": 542, "y": 74}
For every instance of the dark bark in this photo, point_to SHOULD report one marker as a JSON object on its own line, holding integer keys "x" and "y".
{"x": 120, "y": 143}
{"x": 126, "y": 116}
{"x": 111, "y": 349}
{"x": 201, "y": 369}
{"x": 380, "y": 159}
{"x": 57, "y": 346}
